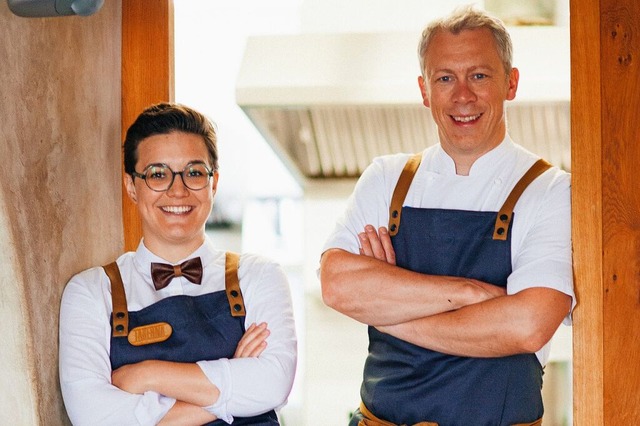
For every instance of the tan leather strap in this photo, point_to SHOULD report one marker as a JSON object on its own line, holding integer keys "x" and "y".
{"x": 120, "y": 320}
{"x": 505, "y": 214}
{"x": 371, "y": 420}
{"x": 232, "y": 285}
{"x": 400, "y": 192}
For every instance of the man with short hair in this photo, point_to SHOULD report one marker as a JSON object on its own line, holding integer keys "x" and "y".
{"x": 458, "y": 258}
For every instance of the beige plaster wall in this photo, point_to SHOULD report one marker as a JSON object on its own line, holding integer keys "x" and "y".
{"x": 60, "y": 193}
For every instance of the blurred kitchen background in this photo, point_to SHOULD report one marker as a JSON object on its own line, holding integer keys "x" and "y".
{"x": 305, "y": 93}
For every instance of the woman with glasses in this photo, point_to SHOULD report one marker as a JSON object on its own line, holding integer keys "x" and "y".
{"x": 177, "y": 332}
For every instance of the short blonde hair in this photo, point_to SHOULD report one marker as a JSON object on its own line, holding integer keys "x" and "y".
{"x": 469, "y": 18}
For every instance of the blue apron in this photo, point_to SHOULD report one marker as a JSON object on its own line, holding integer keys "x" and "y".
{"x": 407, "y": 384}
{"x": 205, "y": 327}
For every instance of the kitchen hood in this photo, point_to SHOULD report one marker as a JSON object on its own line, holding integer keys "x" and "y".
{"x": 329, "y": 103}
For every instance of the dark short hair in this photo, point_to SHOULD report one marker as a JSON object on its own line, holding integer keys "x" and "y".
{"x": 164, "y": 118}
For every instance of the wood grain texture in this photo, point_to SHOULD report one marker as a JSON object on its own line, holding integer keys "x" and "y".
{"x": 620, "y": 71}
{"x": 586, "y": 166}
{"x": 147, "y": 78}
{"x": 605, "y": 99}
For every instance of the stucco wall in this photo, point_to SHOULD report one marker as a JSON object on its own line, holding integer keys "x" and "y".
{"x": 60, "y": 194}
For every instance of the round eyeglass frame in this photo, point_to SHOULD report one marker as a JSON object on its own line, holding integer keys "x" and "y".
{"x": 143, "y": 175}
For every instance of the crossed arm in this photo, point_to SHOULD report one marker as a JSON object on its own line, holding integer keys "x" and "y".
{"x": 185, "y": 381}
{"x": 453, "y": 315}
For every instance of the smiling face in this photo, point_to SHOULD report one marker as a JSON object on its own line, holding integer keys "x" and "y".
{"x": 466, "y": 86}
{"x": 173, "y": 221}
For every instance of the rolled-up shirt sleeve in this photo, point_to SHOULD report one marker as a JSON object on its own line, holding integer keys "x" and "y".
{"x": 251, "y": 386}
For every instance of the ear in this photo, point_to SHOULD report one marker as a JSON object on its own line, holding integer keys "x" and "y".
{"x": 514, "y": 76}
{"x": 130, "y": 187}
{"x": 214, "y": 187}
{"x": 423, "y": 91}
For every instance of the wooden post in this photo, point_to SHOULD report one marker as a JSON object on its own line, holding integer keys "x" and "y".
{"x": 605, "y": 100}
{"x": 147, "y": 77}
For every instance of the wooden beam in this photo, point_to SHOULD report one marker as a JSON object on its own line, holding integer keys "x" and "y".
{"x": 586, "y": 175}
{"x": 605, "y": 99}
{"x": 620, "y": 71}
{"x": 147, "y": 77}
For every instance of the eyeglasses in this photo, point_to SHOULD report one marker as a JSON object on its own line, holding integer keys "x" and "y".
{"x": 160, "y": 177}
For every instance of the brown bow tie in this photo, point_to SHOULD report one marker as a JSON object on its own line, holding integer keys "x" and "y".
{"x": 162, "y": 273}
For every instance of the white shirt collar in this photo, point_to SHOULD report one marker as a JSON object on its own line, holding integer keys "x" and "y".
{"x": 144, "y": 257}
{"x": 447, "y": 166}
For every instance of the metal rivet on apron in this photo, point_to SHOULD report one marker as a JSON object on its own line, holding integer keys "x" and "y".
{"x": 234, "y": 293}
{"x": 394, "y": 214}
{"x": 119, "y": 328}
{"x": 500, "y": 231}
{"x": 237, "y": 307}
{"x": 120, "y": 315}
{"x": 504, "y": 217}
{"x": 393, "y": 227}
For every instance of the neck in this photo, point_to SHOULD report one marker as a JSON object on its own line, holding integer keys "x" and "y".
{"x": 172, "y": 251}
{"x": 462, "y": 169}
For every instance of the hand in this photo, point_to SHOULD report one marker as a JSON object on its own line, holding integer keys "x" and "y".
{"x": 377, "y": 244}
{"x": 131, "y": 377}
{"x": 253, "y": 341}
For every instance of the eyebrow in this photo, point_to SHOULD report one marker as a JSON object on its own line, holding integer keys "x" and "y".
{"x": 472, "y": 69}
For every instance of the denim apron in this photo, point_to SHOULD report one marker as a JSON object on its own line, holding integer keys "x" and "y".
{"x": 407, "y": 384}
{"x": 205, "y": 327}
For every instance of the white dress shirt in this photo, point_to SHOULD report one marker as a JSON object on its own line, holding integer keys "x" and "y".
{"x": 248, "y": 386}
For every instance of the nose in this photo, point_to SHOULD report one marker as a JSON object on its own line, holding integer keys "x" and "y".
{"x": 177, "y": 187}
{"x": 463, "y": 92}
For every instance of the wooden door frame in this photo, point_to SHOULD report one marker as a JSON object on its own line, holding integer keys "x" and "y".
{"x": 147, "y": 78}
{"x": 604, "y": 59}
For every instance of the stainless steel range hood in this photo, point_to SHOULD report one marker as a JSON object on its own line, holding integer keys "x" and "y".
{"x": 329, "y": 103}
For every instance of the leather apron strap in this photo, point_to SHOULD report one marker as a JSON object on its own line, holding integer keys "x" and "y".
{"x": 120, "y": 320}
{"x": 400, "y": 192}
{"x": 120, "y": 317}
{"x": 505, "y": 214}
{"x": 371, "y": 420}
{"x": 232, "y": 285}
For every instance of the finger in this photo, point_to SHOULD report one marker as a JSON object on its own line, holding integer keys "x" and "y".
{"x": 244, "y": 340}
{"x": 253, "y": 341}
{"x": 365, "y": 245}
{"x": 257, "y": 350}
{"x": 374, "y": 241}
{"x": 385, "y": 240}
{"x": 255, "y": 346}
